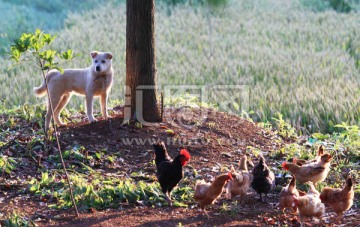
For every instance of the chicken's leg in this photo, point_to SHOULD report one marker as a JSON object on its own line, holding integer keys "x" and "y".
{"x": 266, "y": 197}
{"x": 168, "y": 199}
{"x": 338, "y": 218}
{"x": 240, "y": 199}
{"x": 206, "y": 214}
{"x": 263, "y": 198}
{"x": 302, "y": 221}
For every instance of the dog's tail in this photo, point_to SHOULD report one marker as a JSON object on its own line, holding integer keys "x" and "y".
{"x": 40, "y": 91}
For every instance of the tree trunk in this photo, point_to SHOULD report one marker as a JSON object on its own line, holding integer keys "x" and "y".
{"x": 140, "y": 62}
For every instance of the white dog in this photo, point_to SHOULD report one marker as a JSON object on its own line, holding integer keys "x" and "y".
{"x": 95, "y": 80}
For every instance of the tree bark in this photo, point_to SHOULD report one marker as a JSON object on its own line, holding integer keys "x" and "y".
{"x": 140, "y": 61}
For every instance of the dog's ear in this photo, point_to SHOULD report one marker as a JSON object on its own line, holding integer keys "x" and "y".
{"x": 108, "y": 55}
{"x": 93, "y": 54}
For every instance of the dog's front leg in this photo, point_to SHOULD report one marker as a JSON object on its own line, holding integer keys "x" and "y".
{"x": 103, "y": 104}
{"x": 89, "y": 108}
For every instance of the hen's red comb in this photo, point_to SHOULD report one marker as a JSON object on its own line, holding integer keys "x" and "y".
{"x": 185, "y": 153}
{"x": 230, "y": 175}
{"x": 284, "y": 166}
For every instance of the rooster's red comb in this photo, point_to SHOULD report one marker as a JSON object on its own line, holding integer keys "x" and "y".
{"x": 185, "y": 153}
{"x": 230, "y": 175}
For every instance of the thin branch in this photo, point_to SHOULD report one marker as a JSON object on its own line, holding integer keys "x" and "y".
{"x": 57, "y": 141}
{"x": 13, "y": 140}
{"x": 162, "y": 107}
{"x": 13, "y": 185}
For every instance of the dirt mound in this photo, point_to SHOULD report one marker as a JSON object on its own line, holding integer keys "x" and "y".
{"x": 206, "y": 133}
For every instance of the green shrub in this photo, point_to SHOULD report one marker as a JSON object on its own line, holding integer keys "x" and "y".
{"x": 342, "y": 6}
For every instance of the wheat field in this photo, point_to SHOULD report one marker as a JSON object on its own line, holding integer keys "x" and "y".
{"x": 292, "y": 60}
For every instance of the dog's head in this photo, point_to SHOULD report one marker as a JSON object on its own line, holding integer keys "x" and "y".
{"x": 101, "y": 61}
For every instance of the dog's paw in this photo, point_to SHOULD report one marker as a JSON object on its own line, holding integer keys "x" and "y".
{"x": 60, "y": 123}
{"x": 92, "y": 120}
{"x": 107, "y": 117}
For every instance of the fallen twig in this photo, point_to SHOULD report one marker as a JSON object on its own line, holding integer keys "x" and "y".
{"x": 9, "y": 143}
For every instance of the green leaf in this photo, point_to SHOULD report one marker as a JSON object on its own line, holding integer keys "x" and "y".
{"x": 44, "y": 177}
{"x": 66, "y": 154}
{"x": 132, "y": 197}
{"x": 7, "y": 170}
{"x": 48, "y": 39}
{"x": 38, "y": 32}
{"x": 236, "y": 106}
{"x": 61, "y": 70}
{"x": 15, "y": 54}
{"x": 47, "y": 66}
{"x": 34, "y": 187}
{"x": 170, "y": 131}
{"x": 178, "y": 204}
{"x": 88, "y": 189}
{"x": 111, "y": 159}
{"x": 67, "y": 55}
{"x": 320, "y": 136}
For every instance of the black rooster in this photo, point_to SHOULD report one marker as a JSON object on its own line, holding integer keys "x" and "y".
{"x": 169, "y": 172}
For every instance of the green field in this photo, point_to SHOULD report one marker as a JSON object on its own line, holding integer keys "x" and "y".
{"x": 301, "y": 62}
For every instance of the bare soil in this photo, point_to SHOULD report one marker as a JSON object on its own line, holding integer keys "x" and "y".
{"x": 214, "y": 139}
